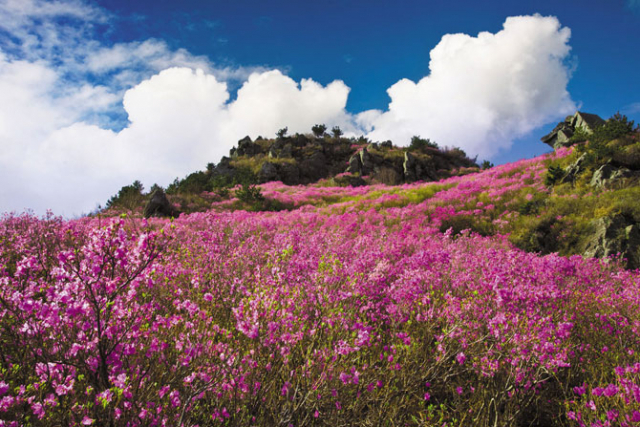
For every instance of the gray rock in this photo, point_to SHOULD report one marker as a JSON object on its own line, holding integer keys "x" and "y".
{"x": 387, "y": 175}
{"x": 608, "y": 174}
{"x": 159, "y": 205}
{"x": 560, "y": 135}
{"x": 409, "y": 167}
{"x": 289, "y": 173}
{"x": 286, "y": 152}
{"x": 367, "y": 162}
{"x": 280, "y": 149}
{"x": 618, "y": 234}
{"x": 355, "y": 166}
{"x": 574, "y": 169}
{"x": 268, "y": 172}
{"x": 247, "y": 148}
{"x": 313, "y": 167}
{"x": 585, "y": 121}
{"x": 224, "y": 167}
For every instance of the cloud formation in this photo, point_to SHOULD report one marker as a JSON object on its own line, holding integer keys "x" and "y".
{"x": 74, "y": 128}
{"x": 483, "y": 92}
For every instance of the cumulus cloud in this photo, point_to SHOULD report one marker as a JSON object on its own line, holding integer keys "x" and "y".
{"x": 76, "y": 127}
{"x": 483, "y": 92}
{"x": 270, "y": 101}
{"x": 179, "y": 120}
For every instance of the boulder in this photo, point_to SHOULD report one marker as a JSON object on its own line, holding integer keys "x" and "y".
{"x": 561, "y": 135}
{"x": 355, "y": 166}
{"x": 585, "y": 121}
{"x": 247, "y": 148}
{"x": 627, "y": 156}
{"x": 159, "y": 205}
{"x": 574, "y": 169}
{"x": 224, "y": 167}
{"x": 617, "y": 234}
{"x": 313, "y": 167}
{"x": 409, "y": 167}
{"x": 289, "y": 173}
{"x": 286, "y": 151}
{"x": 268, "y": 172}
{"x": 387, "y": 175}
{"x": 367, "y": 162}
{"x": 608, "y": 174}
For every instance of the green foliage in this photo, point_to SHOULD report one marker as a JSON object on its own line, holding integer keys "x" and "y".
{"x": 598, "y": 149}
{"x": 580, "y": 135}
{"x": 419, "y": 144}
{"x": 249, "y": 193}
{"x": 194, "y": 183}
{"x": 319, "y": 130}
{"x": 129, "y": 197}
{"x": 458, "y": 223}
{"x": 618, "y": 125}
{"x": 486, "y": 165}
{"x": 554, "y": 174}
{"x": 337, "y": 132}
{"x": 282, "y": 132}
{"x": 252, "y": 199}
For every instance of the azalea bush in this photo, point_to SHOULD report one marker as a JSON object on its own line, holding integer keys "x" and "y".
{"x": 352, "y": 309}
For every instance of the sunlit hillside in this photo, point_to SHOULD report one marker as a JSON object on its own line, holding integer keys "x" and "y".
{"x": 371, "y": 305}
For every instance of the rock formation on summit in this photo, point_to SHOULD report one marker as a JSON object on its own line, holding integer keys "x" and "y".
{"x": 561, "y": 135}
{"x": 304, "y": 159}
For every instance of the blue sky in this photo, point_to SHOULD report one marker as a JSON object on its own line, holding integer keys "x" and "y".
{"x": 99, "y": 93}
{"x": 372, "y": 44}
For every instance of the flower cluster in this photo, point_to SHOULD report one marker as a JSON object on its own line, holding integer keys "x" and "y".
{"x": 358, "y": 312}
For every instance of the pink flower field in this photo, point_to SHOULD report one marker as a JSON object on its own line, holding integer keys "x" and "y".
{"x": 352, "y": 309}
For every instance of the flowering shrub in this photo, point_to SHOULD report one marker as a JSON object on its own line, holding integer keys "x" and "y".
{"x": 352, "y": 310}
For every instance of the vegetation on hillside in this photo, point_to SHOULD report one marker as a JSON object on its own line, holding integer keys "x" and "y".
{"x": 373, "y": 305}
{"x": 236, "y": 180}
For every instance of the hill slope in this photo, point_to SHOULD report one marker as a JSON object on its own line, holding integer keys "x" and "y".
{"x": 372, "y": 305}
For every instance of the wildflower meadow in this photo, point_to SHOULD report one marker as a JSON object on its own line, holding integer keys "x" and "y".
{"x": 368, "y": 306}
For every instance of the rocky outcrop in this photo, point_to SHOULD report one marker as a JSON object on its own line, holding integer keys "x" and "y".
{"x": 355, "y": 165}
{"x": 608, "y": 175}
{"x": 614, "y": 235}
{"x": 574, "y": 169}
{"x": 409, "y": 167}
{"x": 268, "y": 172}
{"x": 246, "y": 147}
{"x": 561, "y": 135}
{"x": 159, "y": 205}
{"x": 303, "y": 159}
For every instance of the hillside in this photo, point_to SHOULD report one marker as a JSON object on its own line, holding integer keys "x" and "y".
{"x": 411, "y": 304}
{"x": 320, "y": 159}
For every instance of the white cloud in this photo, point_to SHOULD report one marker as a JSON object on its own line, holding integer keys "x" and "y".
{"x": 485, "y": 91}
{"x": 269, "y": 101}
{"x": 180, "y": 119}
{"x": 60, "y": 150}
